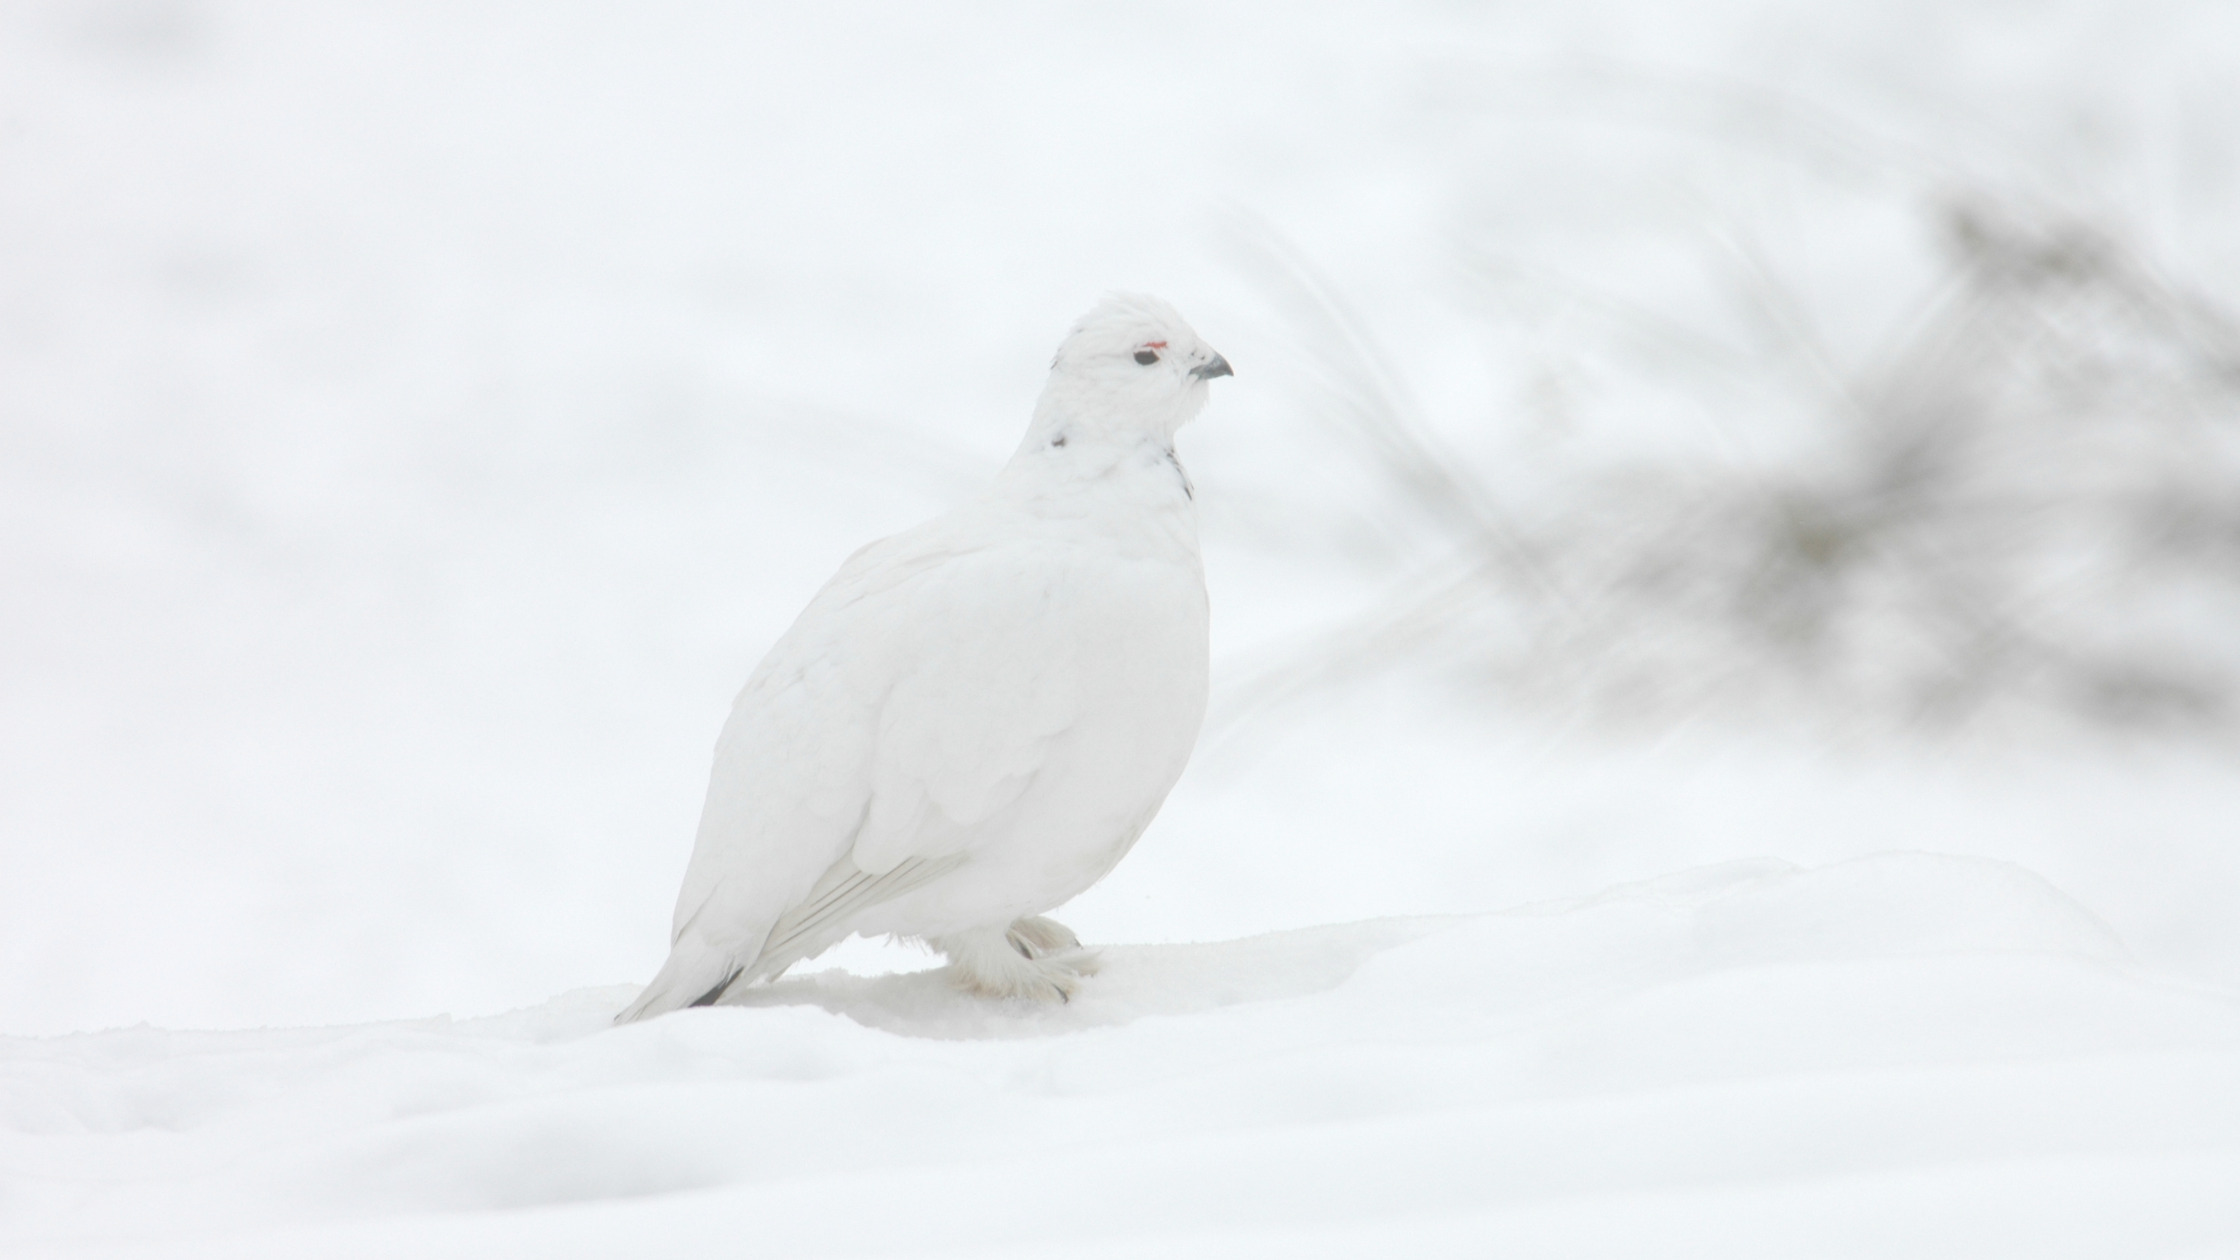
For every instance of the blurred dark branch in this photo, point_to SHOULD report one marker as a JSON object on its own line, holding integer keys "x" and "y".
{"x": 1988, "y": 497}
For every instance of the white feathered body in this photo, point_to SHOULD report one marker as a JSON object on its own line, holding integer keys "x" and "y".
{"x": 971, "y": 722}
{"x": 1017, "y": 685}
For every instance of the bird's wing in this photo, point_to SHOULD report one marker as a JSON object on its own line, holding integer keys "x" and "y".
{"x": 821, "y": 919}
{"x": 911, "y": 700}
{"x": 986, "y": 680}
{"x": 791, "y": 779}
{"x": 789, "y": 786}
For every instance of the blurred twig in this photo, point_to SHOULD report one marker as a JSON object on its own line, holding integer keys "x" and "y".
{"x": 1969, "y": 532}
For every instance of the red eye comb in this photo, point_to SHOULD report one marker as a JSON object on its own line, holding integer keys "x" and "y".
{"x": 1156, "y": 345}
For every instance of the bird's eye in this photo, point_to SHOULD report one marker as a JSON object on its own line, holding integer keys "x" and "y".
{"x": 1147, "y": 357}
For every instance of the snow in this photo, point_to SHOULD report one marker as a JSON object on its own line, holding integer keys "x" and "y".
{"x": 415, "y": 420}
{"x": 1901, "y": 1054}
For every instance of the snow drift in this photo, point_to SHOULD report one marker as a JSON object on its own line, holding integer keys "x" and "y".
{"x": 1903, "y": 1054}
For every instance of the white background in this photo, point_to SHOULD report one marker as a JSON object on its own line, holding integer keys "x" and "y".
{"x": 416, "y": 419}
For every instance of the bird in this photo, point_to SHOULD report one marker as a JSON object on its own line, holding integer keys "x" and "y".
{"x": 975, "y": 719}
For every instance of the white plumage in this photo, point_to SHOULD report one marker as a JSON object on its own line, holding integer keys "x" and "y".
{"x": 974, "y": 720}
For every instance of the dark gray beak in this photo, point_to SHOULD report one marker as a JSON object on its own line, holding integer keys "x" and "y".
{"x": 1216, "y": 366}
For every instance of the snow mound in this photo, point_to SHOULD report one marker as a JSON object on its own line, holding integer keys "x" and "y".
{"x": 1890, "y": 1055}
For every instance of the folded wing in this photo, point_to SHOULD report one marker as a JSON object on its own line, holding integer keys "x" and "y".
{"x": 913, "y": 700}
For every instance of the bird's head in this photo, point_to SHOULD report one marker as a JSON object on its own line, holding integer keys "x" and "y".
{"x": 1130, "y": 368}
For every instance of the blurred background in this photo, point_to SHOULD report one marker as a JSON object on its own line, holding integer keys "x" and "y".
{"x": 1663, "y": 434}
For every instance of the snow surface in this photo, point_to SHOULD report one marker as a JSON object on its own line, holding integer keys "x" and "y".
{"x": 1905, "y": 1054}
{"x": 416, "y": 418}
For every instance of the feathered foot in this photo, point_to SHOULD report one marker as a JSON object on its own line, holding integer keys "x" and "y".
{"x": 1033, "y": 958}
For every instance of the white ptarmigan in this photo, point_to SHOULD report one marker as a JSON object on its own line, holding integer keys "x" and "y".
{"x": 974, "y": 720}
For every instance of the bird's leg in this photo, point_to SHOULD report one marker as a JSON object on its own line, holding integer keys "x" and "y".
{"x": 1033, "y": 958}
{"x": 1037, "y": 937}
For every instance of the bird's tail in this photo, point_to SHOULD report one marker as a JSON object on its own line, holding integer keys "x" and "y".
{"x": 693, "y": 976}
